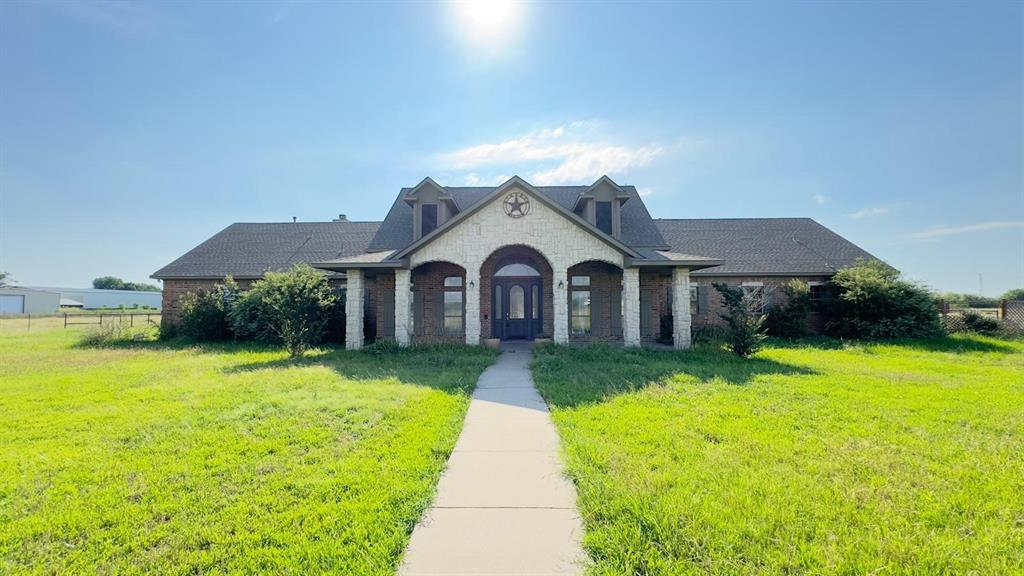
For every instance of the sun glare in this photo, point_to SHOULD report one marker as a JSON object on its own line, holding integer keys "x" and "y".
{"x": 488, "y": 22}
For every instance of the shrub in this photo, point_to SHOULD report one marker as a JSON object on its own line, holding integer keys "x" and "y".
{"x": 383, "y": 348}
{"x": 789, "y": 320}
{"x": 113, "y": 333}
{"x": 745, "y": 326}
{"x": 708, "y": 333}
{"x": 168, "y": 331}
{"x": 293, "y": 306}
{"x": 250, "y": 317}
{"x": 204, "y": 314}
{"x": 874, "y": 302}
{"x": 974, "y": 322}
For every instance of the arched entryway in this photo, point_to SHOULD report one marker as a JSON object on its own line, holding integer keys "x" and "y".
{"x": 437, "y": 303}
{"x": 516, "y": 295}
{"x": 595, "y": 302}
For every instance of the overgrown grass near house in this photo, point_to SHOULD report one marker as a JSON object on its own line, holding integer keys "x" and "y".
{"x": 806, "y": 459}
{"x": 153, "y": 458}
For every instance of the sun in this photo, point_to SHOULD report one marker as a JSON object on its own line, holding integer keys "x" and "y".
{"x": 488, "y": 22}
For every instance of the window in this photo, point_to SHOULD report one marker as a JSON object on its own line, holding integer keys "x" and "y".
{"x": 820, "y": 291}
{"x": 535, "y": 301}
{"x": 579, "y": 320}
{"x": 580, "y": 281}
{"x": 754, "y": 292}
{"x": 516, "y": 303}
{"x": 517, "y": 270}
{"x": 694, "y": 299}
{"x": 604, "y": 217}
{"x": 452, "y": 313}
{"x": 428, "y": 219}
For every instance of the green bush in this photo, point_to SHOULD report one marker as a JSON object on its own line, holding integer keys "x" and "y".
{"x": 113, "y": 333}
{"x": 293, "y": 307}
{"x": 974, "y": 322}
{"x": 789, "y": 320}
{"x": 383, "y": 348}
{"x": 204, "y": 314}
{"x": 874, "y": 302}
{"x": 745, "y": 326}
{"x": 250, "y": 318}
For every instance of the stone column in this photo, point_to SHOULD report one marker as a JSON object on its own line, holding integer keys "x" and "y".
{"x": 403, "y": 285}
{"x": 353, "y": 309}
{"x": 681, "y": 318}
{"x": 472, "y": 312}
{"x": 560, "y": 304}
{"x": 631, "y": 306}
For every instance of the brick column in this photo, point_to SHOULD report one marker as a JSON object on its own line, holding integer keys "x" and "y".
{"x": 403, "y": 283}
{"x": 560, "y": 303}
{"x": 681, "y": 308}
{"x": 353, "y": 309}
{"x": 631, "y": 306}
{"x": 472, "y": 311}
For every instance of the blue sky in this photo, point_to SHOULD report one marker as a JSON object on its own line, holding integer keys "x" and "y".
{"x": 130, "y": 132}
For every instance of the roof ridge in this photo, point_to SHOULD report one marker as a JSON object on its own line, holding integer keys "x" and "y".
{"x": 737, "y": 218}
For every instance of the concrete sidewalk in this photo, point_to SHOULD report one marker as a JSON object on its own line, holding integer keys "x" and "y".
{"x": 502, "y": 506}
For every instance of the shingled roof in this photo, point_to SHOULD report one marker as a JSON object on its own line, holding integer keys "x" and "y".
{"x": 762, "y": 246}
{"x": 248, "y": 250}
{"x": 638, "y": 229}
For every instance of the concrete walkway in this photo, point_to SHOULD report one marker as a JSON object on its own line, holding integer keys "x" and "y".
{"x": 503, "y": 506}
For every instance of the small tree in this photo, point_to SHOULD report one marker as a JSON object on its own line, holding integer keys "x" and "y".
{"x": 745, "y": 322}
{"x": 1013, "y": 294}
{"x": 789, "y": 320}
{"x": 874, "y": 302}
{"x": 295, "y": 306}
{"x": 204, "y": 314}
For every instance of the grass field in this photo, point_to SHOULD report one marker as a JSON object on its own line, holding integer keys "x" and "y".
{"x": 219, "y": 459}
{"x": 816, "y": 459}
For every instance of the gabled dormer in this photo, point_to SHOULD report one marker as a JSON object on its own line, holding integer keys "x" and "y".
{"x": 601, "y": 205}
{"x": 432, "y": 206}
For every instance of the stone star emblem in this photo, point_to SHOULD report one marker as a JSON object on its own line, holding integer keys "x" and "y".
{"x": 517, "y": 205}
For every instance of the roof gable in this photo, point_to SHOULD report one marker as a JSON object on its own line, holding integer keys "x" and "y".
{"x": 638, "y": 228}
{"x": 515, "y": 182}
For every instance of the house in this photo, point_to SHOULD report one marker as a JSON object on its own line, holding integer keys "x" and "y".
{"x": 517, "y": 261}
{"x": 24, "y": 300}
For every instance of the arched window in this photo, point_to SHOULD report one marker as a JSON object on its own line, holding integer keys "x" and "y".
{"x": 517, "y": 270}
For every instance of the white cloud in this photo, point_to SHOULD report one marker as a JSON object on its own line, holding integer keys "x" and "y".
{"x": 821, "y": 199}
{"x": 645, "y": 192}
{"x": 938, "y": 231}
{"x": 570, "y": 154}
{"x": 869, "y": 212}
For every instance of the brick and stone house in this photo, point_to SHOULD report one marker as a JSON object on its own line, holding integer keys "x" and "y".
{"x": 517, "y": 261}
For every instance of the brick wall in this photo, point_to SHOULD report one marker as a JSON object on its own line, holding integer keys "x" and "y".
{"x": 174, "y": 289}
{"x": 428, "y": 296}
{"x": 605, "y": 298}
{"x": 708, "y": 314}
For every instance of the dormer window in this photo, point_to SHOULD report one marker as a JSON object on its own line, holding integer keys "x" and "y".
{"x": 428, "y": 218}
{"x": 603, "y": 217}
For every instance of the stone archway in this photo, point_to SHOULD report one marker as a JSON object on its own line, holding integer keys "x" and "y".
{"x": 515, "y": 262}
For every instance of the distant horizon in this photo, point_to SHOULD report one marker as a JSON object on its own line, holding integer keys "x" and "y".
{"x": 132, "y": 132}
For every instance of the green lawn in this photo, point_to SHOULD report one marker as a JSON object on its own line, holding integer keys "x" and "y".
{"x": 816, "y": 459}
{"x": 219, "y": 459}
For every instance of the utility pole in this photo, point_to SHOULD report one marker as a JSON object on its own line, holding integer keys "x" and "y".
{"x": 981, "y": 284}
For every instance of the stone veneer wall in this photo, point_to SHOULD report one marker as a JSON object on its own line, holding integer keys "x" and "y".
{"x": 561, "y": 242}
